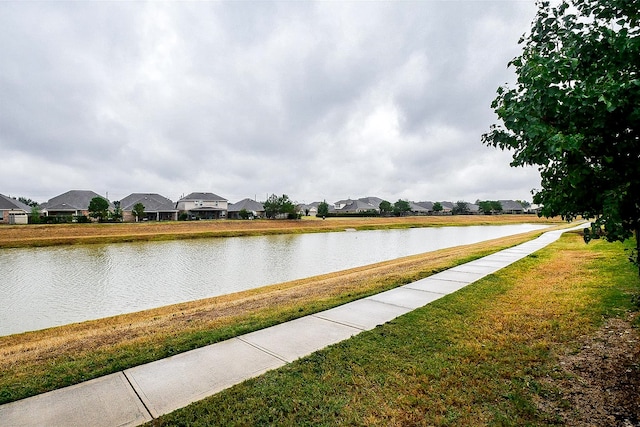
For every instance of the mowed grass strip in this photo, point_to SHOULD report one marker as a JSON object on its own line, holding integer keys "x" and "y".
{"x": 474, "y": 358}
{"x": 40, "y": 361}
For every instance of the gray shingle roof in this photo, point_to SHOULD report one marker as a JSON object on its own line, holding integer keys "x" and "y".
{"x": 8, "y": 203}
{"x": 511, "y": 205}
{"x": 74, "y": 200}
{"x": 247, "y": 204}
{"x": 203, "y": 196}
{"x": 357, "y": 206}
{"x": 427, "y": 205}
{"x": 373, "y": 201}
{"x": 418, "y": 208}
{"x": 152, "y": 202}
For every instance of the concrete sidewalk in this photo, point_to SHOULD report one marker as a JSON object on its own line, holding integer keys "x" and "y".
{"x": 139, "y": 394}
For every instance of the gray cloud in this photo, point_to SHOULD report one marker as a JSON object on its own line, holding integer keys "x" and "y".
{"x": 318, "y": 100}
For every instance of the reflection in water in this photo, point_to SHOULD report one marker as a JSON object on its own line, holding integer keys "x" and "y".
{"x": 44, "y": 287}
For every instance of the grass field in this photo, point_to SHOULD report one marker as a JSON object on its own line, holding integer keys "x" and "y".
{"x": 40, "y": 361}
{"x": 490, "y": 354}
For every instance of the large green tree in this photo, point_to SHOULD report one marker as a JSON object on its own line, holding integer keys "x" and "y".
{"x": 99, "y": 208}
{"x": 138, "y": 211}
{"x": 401, "y": 207}
{"x": 461, "y": 208}
{"x": 385, "y": 208}
{"x": 489, "y": 207}
{"x": 575, "y": 113}
{"x": 276, "y": 206}
{"x": 323, "y": 209}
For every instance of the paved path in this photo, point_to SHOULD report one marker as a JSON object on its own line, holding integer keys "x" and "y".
{"x": 139, "y": 394}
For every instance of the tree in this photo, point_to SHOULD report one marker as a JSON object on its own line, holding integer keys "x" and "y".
{"x": 437, "y": 207}
{"x": 138, "y": 211}
{"x": 28, "y": 202}
{"x": 116, "y": 215}
{"x": 34, "y": 217}
{"x": 461, "y": 208}
{"x": 99, "y": 208}
{"x": 275, "y": 206}
{"x": 385, "y": 208}
{"x": 575, "y": 111}
{"x": 489, "y": 207}
{"x": 244, "y": 214}
{"x": 287, "y": 207}
{"x": 323, "y": 209}
{"x": 401, "y": 207}
{"x": 271, "y": 206}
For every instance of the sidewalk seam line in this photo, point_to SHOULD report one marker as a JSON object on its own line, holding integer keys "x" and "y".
{"x": 317, "y": 315}
{"x": 138, "y": 395}
{"x": 262, "y": 349}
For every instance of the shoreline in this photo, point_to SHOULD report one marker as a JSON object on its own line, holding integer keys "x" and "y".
{"x": 36, "y": 235}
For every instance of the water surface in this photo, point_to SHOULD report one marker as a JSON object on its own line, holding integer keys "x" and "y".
{"x": 44, "y": 287}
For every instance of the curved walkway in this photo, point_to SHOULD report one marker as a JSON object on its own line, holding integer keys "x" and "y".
{"x": 137, "y": 395}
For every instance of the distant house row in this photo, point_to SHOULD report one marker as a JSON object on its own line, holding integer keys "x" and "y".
{"x": 368, "y": 204}
{"x": 75, "y": 203}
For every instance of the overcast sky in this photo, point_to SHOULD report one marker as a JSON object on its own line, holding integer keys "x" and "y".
{"x": 319, "y": 101}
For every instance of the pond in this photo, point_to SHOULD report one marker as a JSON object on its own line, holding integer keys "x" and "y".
{"x": 45, "y": 287}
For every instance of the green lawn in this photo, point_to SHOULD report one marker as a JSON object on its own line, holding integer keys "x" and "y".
{"x": 476, "y": 357}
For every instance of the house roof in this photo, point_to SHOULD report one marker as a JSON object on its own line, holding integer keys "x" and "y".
{"x": 312, "y": 205}
{"x": 357, "y": 205}
{"x": 447, "y": 205}
{"x": 418, "y": 208}
{"x": 203, "y": 196}
{"x": 152, "y": 202}
{"x": 8, "y": 204}
{"x": 249, "y": 205}
{"x": 427, "y": 205}
{"x": 74, "y": 200}
{"x": 510, "y": 205}
{"x": 373, "y": 201}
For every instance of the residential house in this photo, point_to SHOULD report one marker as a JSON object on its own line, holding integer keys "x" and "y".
{"x": 13, "y": 211}
{"x": 447, "y": 207}
{"x": 427, "y": 205}
{"x": 473, "y": 208}
{"x": 341, "y": 204}
{"x": 354, "y": 206}
{"x": 203, "y": 206}
{"x": 373, "y": 201}
{"x": 156, "y": 207}
{"x": 255, "y": 209}
{"x": 311, "y": 209}
{"x": 71, "y": 203}
{"x": 511, "y": 207}
{"x": 417, "y": 209}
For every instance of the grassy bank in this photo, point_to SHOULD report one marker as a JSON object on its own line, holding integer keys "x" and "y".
{"x": 40, "y": 361}
{"x": 14, "y": 236}
{"x": 486, "y": 355}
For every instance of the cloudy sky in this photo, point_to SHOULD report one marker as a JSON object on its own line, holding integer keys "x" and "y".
{"x": 316, "y": 100}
